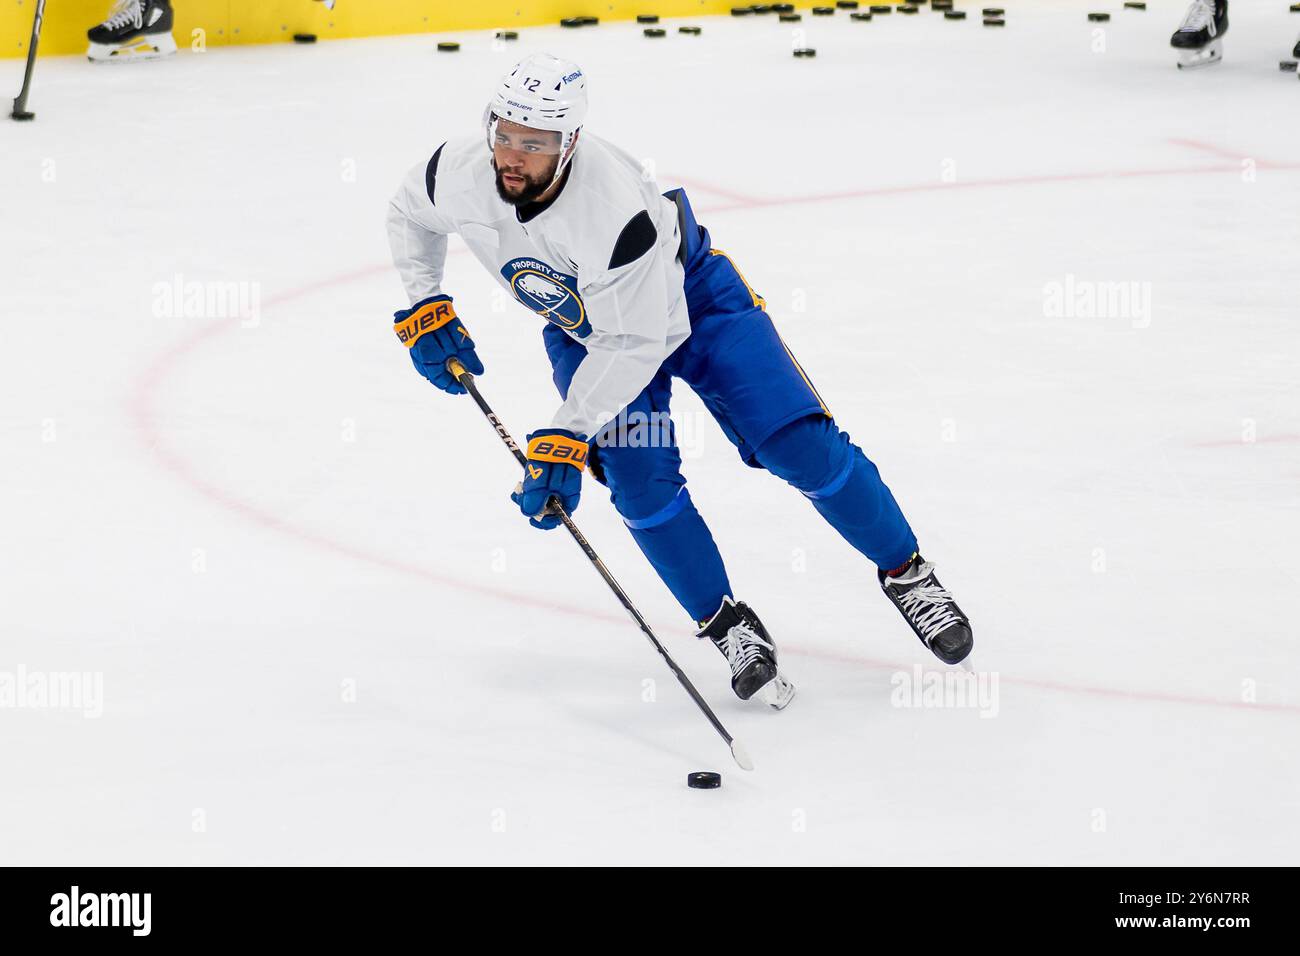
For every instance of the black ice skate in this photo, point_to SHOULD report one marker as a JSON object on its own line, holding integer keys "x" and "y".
{"x": 930, "y": 610}
{"x": 738, "y": 633}
{"x": 1199, "y": 41}
{"x": 135, "y": 30}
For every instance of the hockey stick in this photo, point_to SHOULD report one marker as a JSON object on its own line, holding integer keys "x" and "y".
{"x": 554, "y": 507}
{"x": 20, "y": 101}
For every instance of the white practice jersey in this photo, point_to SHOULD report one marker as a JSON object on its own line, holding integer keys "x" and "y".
{"x": 600, "y": 262}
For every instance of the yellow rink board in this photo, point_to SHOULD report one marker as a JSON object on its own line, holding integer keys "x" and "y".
{"x": 225, "y": 22}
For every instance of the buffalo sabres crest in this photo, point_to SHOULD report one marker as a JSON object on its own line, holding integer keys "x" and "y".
{"x": 552, "y": 295}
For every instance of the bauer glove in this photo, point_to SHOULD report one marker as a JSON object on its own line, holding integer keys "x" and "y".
{"x": 556, "y": 458}
{"x": 434, "y": 333}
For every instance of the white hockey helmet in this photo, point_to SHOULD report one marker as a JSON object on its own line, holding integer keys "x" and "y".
{"x": 542, "y": 92}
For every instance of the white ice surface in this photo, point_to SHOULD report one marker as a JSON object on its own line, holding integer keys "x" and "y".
{"x": 181, "y": 509}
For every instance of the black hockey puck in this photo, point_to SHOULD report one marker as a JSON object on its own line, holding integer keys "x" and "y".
{"x": 507, "y": 35}
{"x": 1099, "y": 17}
{"x": 954, "y": 14}
{"x": 304, "y": 38}
{"x": 993, "y": 11}
{"x": 906, "y": 8}
{"x": 847, "y": 4}
{"x": 693, "y": 31}
{"x": 805, "y": 51}
{"x": 448, "y": 47}
{"x": 823, "y": 11}
{"x": 1295, "y": 8}
{"x": 647, "y": 18}
{"x": 790, "y": 17}
{"x": 571, "y": 22}
{"x": 654, "y": 31}
{"x": 588, "y": 21}
{"x": 1135, "y": 5}
{"x": 994, "y": 22}
{"x": 704, "y": 780}
{"x": 783, "y": 7}
{"x": 882, "y": 8}
{"x": 761, "y": 8}
{"x": 860, "y": 15}
{"x": 741, "y": 11}
{"x": 1287, "y": 66}
{"x": 941, "y": 6}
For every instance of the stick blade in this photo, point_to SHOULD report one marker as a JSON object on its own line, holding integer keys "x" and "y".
{"x": 741, "y": 755}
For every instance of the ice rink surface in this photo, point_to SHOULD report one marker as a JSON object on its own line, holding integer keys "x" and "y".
{"x": 326, "y": 636}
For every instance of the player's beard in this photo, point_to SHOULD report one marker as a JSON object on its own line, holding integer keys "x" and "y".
{"x": 532, "y": 187}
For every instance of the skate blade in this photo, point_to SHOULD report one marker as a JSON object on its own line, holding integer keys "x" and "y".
{"x": 1207, "y": 55}
{"x": 966, "y": 665}
{"x": 776, "y": 693}
{"x": 141, "y": 48}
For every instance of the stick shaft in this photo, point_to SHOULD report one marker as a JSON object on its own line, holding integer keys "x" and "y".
{"x": 467, "y": 379}
{"x": 20, "y": 101}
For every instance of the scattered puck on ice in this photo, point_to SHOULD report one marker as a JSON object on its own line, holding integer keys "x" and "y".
{"x": 847, "y": 4}
{"x": 941, "y": 6}
{"x": 790, "y": 17}
{"x": 762, "y": 8}
{"x": 507, "y": 35}
{"x": 647, "y": 18}
{"x": 741, "y": 11}
{"x": 860, "y": 15}
{"x": 954, "y": 14}
{"x": 654, "y": 32}
{"x": 1295, "y": 8}
{"x": 993, "y": 11}
{"x": 704, "y": 780}
{"x": 907, "y": 8}
{"x": 805, "y": 51}
{"x": 823, "y": 11}
{"x": 1099, "y": 17}
{"x": 1287, "y": 66}
{"x": 882, "y": 8}
{"x": 994, "y": 22}
{"x": 783, "y": 7}
{"x": 448, "y": 47}
{"x": 1135, "y": 5}
{"x": 588, "y": 21}
{"x": 304, "y": 38}
{"x": 693, "y": 31}
{"x": 571, "y": 22}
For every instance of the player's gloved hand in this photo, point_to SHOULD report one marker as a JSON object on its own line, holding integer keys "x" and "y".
{"x": 556, "y": 458}
{"x": 434, "y": 333}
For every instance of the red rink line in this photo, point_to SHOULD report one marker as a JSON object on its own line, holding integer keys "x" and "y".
{"x": 140, "y": 407}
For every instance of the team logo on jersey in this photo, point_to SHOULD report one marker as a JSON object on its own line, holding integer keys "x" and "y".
{"x": 552, "y": 295}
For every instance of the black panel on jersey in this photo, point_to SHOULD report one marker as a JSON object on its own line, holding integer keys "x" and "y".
{"x": 431, "y": 174}
{"x": 636, "y": 239}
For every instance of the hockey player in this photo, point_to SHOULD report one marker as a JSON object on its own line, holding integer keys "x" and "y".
{"x": 134, "y": 30}
{"x": 1199, "y": 41}
{"x": 634, "y": 294}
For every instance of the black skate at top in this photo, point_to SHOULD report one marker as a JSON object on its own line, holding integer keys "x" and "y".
{"x": 738, "y": 633}
{"x": 1206, "y": 21}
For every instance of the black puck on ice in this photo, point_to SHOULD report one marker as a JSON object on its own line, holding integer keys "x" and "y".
{"x": 1287, "y": 66}
{"x": 954, "y": 14}
{"x": 907, "y": 8}
{"x": 507, "y": 35}
{"x": 847, "y": 4}
{"x": 571, "y": 22}
{"x": 1295, "y": 8}
{"x": 704, "y": 780}
{"x": 304, "y": 38}
{"x": 761, "y": 7}
{"x": 588, "y": 21}
{"x": 994, "y": 22}
{"x": 654, "y": 31}
{"x": 693, "y": 31}
{"x": 741, "y": 11}
{"x": 882, "y": 8}
{"x": 993, "y": 11}
{"x": 448, "y": 47}
{"x": 1135, "y": 5}
{"x": 1099, "y": 17}
{"x": 860, "y": 15}
{"x": 790, "y": 17}
{"x": 941, "y": 6}
{"x": 647, "y": 18}
{"x": 783, "y": 7}
{"x": 823, "y": 11}
{"x": 805, "y": 51}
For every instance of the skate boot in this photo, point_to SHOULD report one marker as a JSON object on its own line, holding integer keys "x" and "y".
{"x": 930, "y": 610}
{"x": 135, "y": 30}
{"x": 1199, "y": 41}
{"x": 738, "y": 633}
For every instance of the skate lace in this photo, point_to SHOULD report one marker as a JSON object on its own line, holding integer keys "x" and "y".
{"x": 126, "y": 11}
{"x": 743, "y": 646}
{"x": 929, "y": 607}
{"x": 1199, "y": 15}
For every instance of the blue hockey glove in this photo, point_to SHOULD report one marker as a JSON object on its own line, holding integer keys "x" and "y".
{"x": 434, "y": 333}
{"x": 556, "y": 458}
